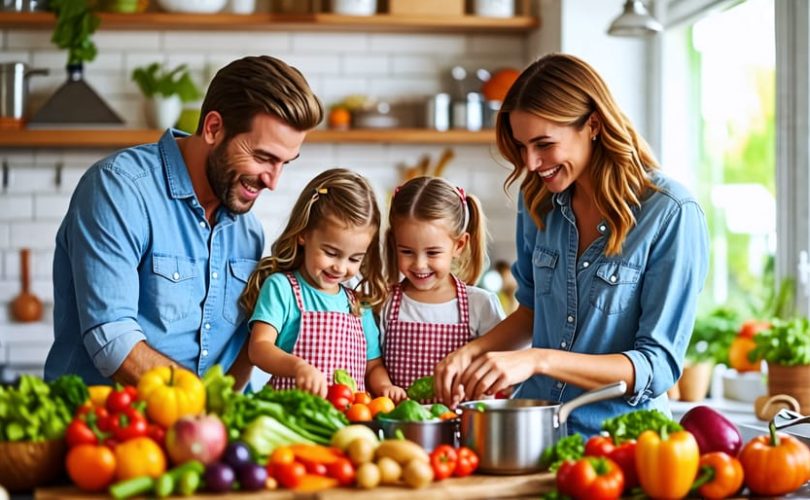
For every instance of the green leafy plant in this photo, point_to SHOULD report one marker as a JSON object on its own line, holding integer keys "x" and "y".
{"x": 75, "y": 24}
{"x": 712, "y": 335}
{"x": 156, "y": 80}
{"x": 787, "y": 343}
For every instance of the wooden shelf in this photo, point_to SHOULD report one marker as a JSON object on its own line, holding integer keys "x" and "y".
{"x": 120, "y": 138}
{"x": 284, "y": 22}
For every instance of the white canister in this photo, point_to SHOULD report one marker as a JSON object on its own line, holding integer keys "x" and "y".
{"x": 242, "y": 6}
{"x": 495, "y": 8}
{"x": 355, "y": 7}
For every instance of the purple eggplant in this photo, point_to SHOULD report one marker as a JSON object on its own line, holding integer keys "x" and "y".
{"x": 712, "y": 431}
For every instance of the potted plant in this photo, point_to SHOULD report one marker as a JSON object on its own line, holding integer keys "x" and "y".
{"x": 786, "y": 350}
{"x": 165, "y": 91}
{"x": 711, "y": 337}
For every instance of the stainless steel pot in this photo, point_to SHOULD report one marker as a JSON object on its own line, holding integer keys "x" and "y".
{"x": 428, "y": 435}
{"x": 14, "y": 88}
{"x": 509, "y": 435}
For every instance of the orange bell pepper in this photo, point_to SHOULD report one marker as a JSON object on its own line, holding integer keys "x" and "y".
{"x": 775, "y": 464}
{"x": 721, "y": 475}
{"x": 666, "y": 463}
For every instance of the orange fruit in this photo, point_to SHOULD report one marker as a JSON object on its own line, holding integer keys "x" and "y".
{"x": 358, "y": 412}
{"x": 362, "y": 397}
{"x": 498, "y": 85}
{"x": 90, "y": 467}
{"x": 381, "y": 404}
{"x": 738, "y": 355}
{"x": 339, "y": 118}
{"x": 752, "y": 327}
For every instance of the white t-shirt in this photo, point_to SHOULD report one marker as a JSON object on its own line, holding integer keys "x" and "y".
{"x": 485, "y": 311}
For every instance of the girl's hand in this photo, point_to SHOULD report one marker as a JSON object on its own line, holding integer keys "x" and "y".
{"x": 310, "y": 379}
{"x": 496, "y": 371}
{"x": 448, "y": 375}
{"x": 393, "y": 392}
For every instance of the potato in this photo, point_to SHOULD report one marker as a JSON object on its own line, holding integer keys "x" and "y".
{"x": 402, "y": 451}
{"x": 368, "y": 476}
{"x": 346, "y": 435}
{"x": 360, "y": 451}
{"x": 417, "y": 474}
{"x": 390, "y": 471}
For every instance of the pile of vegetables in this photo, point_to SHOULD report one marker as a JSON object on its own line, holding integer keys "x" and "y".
{"x": 35, "y": 410}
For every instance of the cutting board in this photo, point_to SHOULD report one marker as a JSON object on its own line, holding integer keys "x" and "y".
{"x": 468, "y": 487}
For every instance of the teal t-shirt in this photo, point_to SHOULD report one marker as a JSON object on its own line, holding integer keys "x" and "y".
{"x": 276, "y": 306}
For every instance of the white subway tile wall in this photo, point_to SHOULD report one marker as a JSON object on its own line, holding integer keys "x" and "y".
{"x": 390, "y": 67}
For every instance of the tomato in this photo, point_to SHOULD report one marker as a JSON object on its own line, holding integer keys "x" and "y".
{"x": 341, "y": 396}
{"x": 752, "y": 327}
{"x": 358, "y": 413}
{"x": 90, "y": 467}
{"x": 289, "y": 475}
{"x": 121, "y": 398}
{"x": 78, "y": 432}
{"x": 738, "y": 355}
{"x": 590, "y": 477}
{"x": 282, "y": 455}
{"x": 316, "y": 468}
{"x": 381, "y": 404}
{"x": 625, "y": 457}
{"x": 363, "y": 398}
{"x": 599, "y": 446}
{"x": 467, "y": 462}
{"x": 157, "y": 434}
{"x": 128, "y": 424}
{"x": 139, "y": 457}
{"x": 443, "y": 460}
{"x": 342, "y": 470}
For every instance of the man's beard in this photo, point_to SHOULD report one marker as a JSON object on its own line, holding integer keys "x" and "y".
{"x": 224, "y": 181}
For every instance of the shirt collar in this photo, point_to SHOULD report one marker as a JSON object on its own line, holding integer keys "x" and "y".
{"x": 174, "y": 165}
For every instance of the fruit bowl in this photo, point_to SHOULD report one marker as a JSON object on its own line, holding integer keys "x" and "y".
{"x": 25, "y": 465}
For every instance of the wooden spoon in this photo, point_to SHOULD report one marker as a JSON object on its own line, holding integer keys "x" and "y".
{"x": 26, "y": 306}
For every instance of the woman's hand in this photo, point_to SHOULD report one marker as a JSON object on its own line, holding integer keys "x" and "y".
{"x": 310, "y": 379}
{"x": 393, "y": 392}
{"x": 496, "y": 371}
{"x": 448, "y": 374}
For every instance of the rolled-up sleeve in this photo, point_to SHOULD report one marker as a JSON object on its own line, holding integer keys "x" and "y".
{"x": 675, "y": 275}
{"x": 105, "y": 245}
{"x": 522, "y": 269}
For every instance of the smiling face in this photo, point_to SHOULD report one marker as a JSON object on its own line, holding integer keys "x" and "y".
{"x": 558, "y": 154}
{"x": 425, "y": 253}
{"x": 333, "y": 252}
{"x": 239, "y": 168}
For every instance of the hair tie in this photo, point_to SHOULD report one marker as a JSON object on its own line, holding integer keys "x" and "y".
{"x": 318, "y": 192}
{"x": 463, "y": 195}
{"x": 396, "y": 190}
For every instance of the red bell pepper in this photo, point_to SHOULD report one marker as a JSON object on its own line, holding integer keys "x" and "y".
{"x": 467, "y": 462}
{"x": 129, "y": 424}
{"x": 443, "y": 459}
{"x": 89, "y": 426}
{"x": 624, "y": 455}
{"x": 590, "y": 478}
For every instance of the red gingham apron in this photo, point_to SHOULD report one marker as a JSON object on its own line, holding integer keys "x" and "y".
{"x": 328, "y": 340}
{"x": 412, "y": 350}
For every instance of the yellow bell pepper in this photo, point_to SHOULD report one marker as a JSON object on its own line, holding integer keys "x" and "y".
{"x": 171, "y": 393}
{"x": 667, "y": 463}
{"x": 98, "y": 394}
{"x": 139, "y": 457}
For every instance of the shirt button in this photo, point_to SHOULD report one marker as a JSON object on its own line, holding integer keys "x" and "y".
{"x": 176, "y": 276}
{"x": 215, "y": 275}
{"x": 204, "y": 352}
{"x": 586, "y": 264}
{"x": 559, "y": 385}
{"x": 208, "y": 326}
{"x": 613, "y": 279}
{"x": 563, "y": 344}
{"x": 202, "y": 223}
{"x": 602, "y": 228}
{"x": 570, "y": 319}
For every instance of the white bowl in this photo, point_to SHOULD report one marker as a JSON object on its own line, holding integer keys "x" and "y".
{"x": 745, "y": 387}
{"x": 193, "y": 6}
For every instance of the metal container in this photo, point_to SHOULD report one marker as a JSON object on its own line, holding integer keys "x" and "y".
{"x": 509, "y": 435}
{"x": 428, "y": 435}
{"x": 14, "y": 88}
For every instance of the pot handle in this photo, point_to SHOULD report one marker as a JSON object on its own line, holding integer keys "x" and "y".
{"x": 792, "y": 417}
{"x": 611, "y": 391}
{"x": 37, "y": 71}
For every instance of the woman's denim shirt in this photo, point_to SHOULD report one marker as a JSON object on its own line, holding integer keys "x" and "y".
{"x": 640, "y": 303}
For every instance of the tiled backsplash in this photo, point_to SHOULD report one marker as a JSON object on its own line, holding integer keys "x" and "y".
{"x": 388, "y": 67}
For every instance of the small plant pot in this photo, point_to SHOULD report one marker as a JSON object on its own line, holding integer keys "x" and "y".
{"x": 163, "y": 112}
{"x": 791, "y": 380}
{"x": 695, "y": 381}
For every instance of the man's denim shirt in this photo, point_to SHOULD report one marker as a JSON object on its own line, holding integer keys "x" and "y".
{"x": 640, "y": 303}
{"x": 137, "y": 260}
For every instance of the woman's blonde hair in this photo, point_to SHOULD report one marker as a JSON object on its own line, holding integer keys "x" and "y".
{"x": 566, "y": 90}
{"x": 338, "y": 194}
{"x": 431, "y": 199}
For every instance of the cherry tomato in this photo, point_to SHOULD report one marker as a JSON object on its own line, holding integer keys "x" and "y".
{"x": 358, "y": 413}
{"x": 78, "y": 432}
{"x": 315, "y": 468}
{"x": 362, "y": 398}
{"x": 290, "y": 474}
{"x": 443, "y": 460}
{"x": 341, "y": 396}
{"x": 342, "y": 470}
{"x": 121, "y": 398}
{"x": 599, "y": 446}
{"x": 467, "y": 462}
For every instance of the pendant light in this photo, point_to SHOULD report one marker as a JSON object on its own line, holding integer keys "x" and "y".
{"x": 634, "y": 21}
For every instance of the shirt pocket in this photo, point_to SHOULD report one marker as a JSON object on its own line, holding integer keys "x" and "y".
{"x": 235, "y": 280}
{"x": 544, "y": 262}
{"x": 614, "y": 286}
{"x": 172, "y": 286}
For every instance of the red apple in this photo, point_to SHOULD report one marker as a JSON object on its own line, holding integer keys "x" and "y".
{"x": 201, "y": 437}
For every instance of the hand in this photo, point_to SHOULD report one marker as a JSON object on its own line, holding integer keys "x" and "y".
{"x": 310, "y": 379}
{"x": 496, "y": 371}
{"x": 447, "y": 376}
{"x": 393, "y": 392}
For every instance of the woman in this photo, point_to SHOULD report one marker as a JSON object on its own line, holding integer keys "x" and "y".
{"x": 611, "y": 255}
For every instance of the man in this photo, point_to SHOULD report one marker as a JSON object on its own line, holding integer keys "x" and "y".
{"x": 157, "y": 243}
